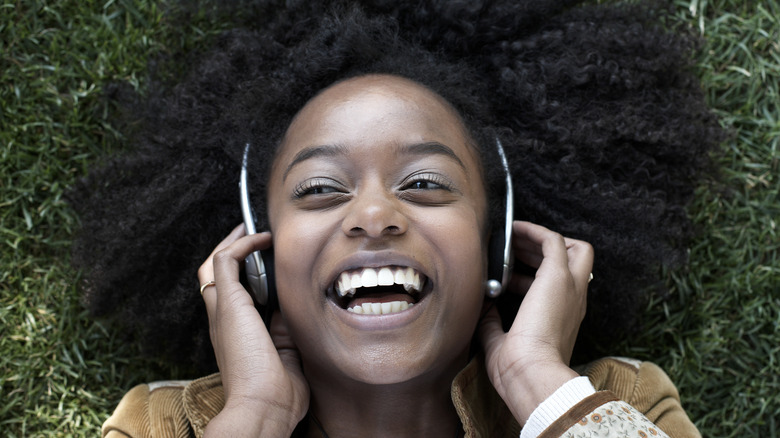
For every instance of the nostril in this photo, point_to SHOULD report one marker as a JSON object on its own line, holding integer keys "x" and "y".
{"x": 390, "y": 229}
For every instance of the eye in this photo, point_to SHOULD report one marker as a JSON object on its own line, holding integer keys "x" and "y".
{"x": 426, "y": 181}
{"x": 317, "y": 186}
{"x": 423, "y": 185}
{"x": 317, "y": 190}
{"x": 429, "y": 189}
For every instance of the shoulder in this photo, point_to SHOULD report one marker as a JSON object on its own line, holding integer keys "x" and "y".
{"x": 645, "y": 387}
{"x": 166, "y": 408}
{"x": 640, "y": 383}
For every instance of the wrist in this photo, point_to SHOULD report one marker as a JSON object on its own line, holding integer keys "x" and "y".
{"x": 533, "y": 385}
{"x": 240, "y": 420}
{"x": 557, "y": 405}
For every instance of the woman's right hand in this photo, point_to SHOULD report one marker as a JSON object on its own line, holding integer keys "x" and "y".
{"x": 530, "y": 362}
{"x": 266, "y": 393}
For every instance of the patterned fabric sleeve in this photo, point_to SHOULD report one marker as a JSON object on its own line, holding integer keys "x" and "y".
{"x": 635, "y": 399}
{"x": 613, "y": 419}
{"x": 604, "y": 416}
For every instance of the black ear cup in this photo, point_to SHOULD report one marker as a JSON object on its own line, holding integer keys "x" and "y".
{"x": 259, "y": 276}
{"x": 260, "y": 279}
{"x": 496, "y": 262}
{"x": 271, "y": 303}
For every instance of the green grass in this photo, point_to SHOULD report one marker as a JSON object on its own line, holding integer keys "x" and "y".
{"x": 61, "y": 373}
{"x": 719, "y": 337}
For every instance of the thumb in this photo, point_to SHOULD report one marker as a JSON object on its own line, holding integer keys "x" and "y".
{"x": 490, "y": 331}
{"x": 280, "y": 333}
{"x": 285, "y": 346}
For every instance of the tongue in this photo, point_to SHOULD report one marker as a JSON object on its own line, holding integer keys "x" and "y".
{"x": 380, "y": 297}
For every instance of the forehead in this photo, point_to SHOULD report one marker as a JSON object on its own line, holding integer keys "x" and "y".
{"x": 375, "y": 109}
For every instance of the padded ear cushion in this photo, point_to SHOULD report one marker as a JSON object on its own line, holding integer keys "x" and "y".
{"x": 496, "y": 253}
{"x": 270, "y": 279}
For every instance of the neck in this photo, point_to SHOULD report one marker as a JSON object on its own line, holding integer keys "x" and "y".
{"x": 419, "y": 407}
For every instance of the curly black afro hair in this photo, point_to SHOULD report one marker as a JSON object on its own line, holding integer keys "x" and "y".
{"x": 604, "y": 124}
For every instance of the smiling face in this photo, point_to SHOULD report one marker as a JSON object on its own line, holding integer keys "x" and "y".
{"x": 377, "y": 210}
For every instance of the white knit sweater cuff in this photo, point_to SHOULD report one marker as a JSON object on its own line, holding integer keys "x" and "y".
{"x": 563, "y": 399}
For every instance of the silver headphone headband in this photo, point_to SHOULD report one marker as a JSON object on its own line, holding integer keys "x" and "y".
{"x": 510, "y": 215}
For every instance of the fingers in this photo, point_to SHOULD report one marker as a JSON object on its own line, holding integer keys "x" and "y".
{"x": 235, "y": 326}
{"x": 580, "y": 256}
{"x": 280, "y": 334}
{"x": 256, "y": 366}
{"x": 222, "y": 267}
{"x": 227, "y": 264}
{"x": 555, "y": 302}
{"x": 538, "y": 244}
{"x": 206, "y": 270}
{"x": 551, "y": 253}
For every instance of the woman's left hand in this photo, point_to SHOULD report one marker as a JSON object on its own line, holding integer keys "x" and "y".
{"x": 528, "y": 363}
{"x": 266, "y": 393}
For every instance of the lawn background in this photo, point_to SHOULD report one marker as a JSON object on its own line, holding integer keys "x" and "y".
{"x": 61, "y": 373}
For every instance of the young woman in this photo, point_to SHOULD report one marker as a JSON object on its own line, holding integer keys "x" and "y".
{"x": 373, "y": 164}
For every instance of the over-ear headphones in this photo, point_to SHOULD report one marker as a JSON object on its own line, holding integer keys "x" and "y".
{"x": 259, "y": 264}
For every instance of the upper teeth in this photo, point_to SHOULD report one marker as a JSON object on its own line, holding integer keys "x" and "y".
{"x": 349, "y": 282}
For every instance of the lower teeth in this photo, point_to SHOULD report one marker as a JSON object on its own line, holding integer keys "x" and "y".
{"x": 380, "y": 308}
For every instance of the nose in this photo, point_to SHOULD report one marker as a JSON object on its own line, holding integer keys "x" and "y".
{"x": 375, "y": 214}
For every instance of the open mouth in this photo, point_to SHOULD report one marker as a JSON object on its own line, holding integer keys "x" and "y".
{"x": 379, "y": 291}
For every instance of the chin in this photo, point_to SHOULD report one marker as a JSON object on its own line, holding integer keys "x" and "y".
{"x": 392, "y": 363}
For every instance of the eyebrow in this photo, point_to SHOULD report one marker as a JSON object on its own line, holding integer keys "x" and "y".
{"x": 421, "y": 149}
{"x": 314, "y": 152}
{"x": 433, "y": 148}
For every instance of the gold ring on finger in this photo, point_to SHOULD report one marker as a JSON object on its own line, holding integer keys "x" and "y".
{"x": 207, "y": 284}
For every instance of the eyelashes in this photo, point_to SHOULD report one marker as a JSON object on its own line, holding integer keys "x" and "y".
{"x": 317, "y": 186}
{"x": 422, "y": 184}
{"x": 427, "y": 181}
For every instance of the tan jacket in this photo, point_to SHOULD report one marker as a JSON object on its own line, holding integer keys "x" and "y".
{"x": 635, "y": 399}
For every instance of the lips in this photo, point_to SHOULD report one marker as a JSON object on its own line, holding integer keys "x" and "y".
{"x": 378, "y": 291}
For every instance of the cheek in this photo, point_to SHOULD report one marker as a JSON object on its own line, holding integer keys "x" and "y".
{"x": 295, "y": 248}
{"x": 463, "y": 285}
{"x": 464, "y": 248}
{"x": 462, "y": 231}
{"x": 296, "y": 243}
